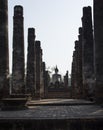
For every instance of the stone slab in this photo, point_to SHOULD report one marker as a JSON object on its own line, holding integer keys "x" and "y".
{"x": 59, "y": 102}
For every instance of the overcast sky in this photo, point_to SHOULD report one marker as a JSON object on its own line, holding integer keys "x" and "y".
{"x": 56, "y": 23}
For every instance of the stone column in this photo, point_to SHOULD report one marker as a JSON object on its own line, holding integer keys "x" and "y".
{"x": 80, "y": 80}
{"x": 37, "y": 68}
{"x": 47, "y": 82}
{"x": 88, "y": 53}
{"x": 18, "y": 86}
{"x": 30, "y": 76}
{"x": 72, "y": 79}
{"x": 41, "y": 77}
{"x": 77, "y": 71}
{"x": 44, "y": 76}
{"x": 4, "y": 56}
{"x": 66, "y": 81}
{"x": 98, "y": 36}
{"x": 44, "y": 79}
{"x": 73, "y": 76}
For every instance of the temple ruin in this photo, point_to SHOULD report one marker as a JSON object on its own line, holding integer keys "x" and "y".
{"x": 28, "y": 98}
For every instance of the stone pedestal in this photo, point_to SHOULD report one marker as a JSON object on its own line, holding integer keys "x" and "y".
{"x": 11, "y": 104}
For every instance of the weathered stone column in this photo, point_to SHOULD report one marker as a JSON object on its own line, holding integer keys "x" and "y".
{"x": 98, "y": 36}
{"x": 72, "y": 79}
{"x": 41, "y": 77}
{"x": 88, "y": 53}
{"x": 37, "y": 68}
{"x": 77, "y": 71}
{"x": 4, "y": 56}
{"x": 80, "y": 75}
{"x": 44, "y": 77}
{"x": 18, "y": 86}
{"x": 30, "y": 76}
{"x": 73, "y": 76}
{"x": 66, "y": 80}
{"x": 47, "y": 82}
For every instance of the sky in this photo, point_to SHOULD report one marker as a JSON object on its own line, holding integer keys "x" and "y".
{"x": 56, "y": 23}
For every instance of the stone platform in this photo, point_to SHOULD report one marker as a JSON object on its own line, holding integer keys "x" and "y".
{"x": 58, "y": 102}
{"x": 61, "y": 109}
{"x": 83, "y": 115}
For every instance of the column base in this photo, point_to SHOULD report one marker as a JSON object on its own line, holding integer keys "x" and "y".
{"x": 9, "y": 104}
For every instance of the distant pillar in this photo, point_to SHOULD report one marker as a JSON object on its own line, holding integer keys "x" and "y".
{"x": 76, "y": 77}
{"x": 18, "y": 86}
{"x": 30, "y": 76}
{"x": 4, "y": 55}
{"x": 77, "y": 58}
{"x": 37, "y": 68}
{"x": 47, "y": 82}
{"x": 66, "y": 80}
{"x": 98, "y": 36}
{"x": 73, "y": 76}
{"x": 80, "y": 75}
{"x": 44, "y": 77}
{"x": 88, "y": 53}
{"x": 41, "y": 77}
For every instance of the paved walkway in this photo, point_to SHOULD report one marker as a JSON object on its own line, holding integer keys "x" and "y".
{"x": 70, "y": 111}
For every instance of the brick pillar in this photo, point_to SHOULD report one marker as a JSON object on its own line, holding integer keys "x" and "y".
{"x": 44, "y": 77}
{"x": 80, "y": 80}
{"x": 18, "y": 86}
{"x": 4, "y": 56}
{"x": 41, "y": 75}
{"x": 73, "y": 76}
{"x": 98, "y": 36}
{"x": 30, "y": 76}
{"x": 66, "y": 80}
{"x": 72, "y": 79}
{"x": 88, "y": 53}
{"x": 77, "y": 71}
{"x": 76, "y": 77}
{"x": 37, "y": 68}
{"x": 47, "y": 82}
